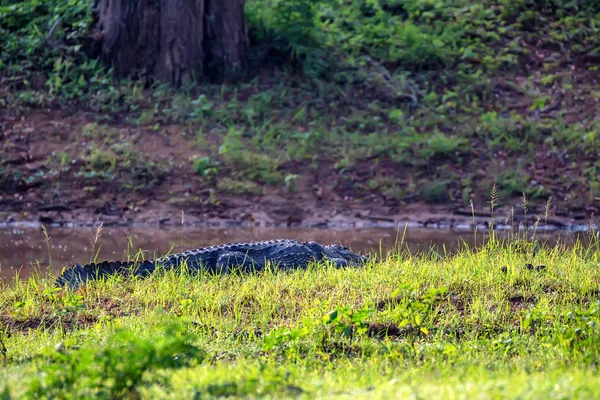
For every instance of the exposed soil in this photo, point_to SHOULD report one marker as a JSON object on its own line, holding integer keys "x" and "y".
{"x": 32, "y": 144}
{"x": 47, "y": 322}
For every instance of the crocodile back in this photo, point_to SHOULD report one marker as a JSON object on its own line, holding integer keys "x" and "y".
{"x": 285, "y": 253}
{"x": 73, "y": 277}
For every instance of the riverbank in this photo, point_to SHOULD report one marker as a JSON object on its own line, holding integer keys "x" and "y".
{"x": 471, "y": 324}
{"x": 379, "y": 116}
{"x": 64, "y": 169}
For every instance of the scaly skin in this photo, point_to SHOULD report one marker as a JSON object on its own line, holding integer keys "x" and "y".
{"x": 281, "y": 254}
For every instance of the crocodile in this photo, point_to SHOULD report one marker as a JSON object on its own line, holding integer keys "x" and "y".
{"x": 253, "y": 256}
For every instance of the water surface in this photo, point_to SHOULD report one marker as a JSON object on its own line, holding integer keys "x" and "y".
{"x": 24, "y": 249}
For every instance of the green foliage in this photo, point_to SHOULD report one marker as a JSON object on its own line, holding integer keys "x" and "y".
{"x": 433, "y": 90}
{"x": 367, "y": 28}
{"x": 42, "y": 42}
{"x": 247, "y": 164}
{"x": 559, "y": 7}
{"x": 324, "y": 328}
{"x": 515, "y": 182}
{"x": 416, "y": 313}
{"x": 202, "y": 107}
{"x": 206, "y": 167}
{"x": 473, "y": 323}
{"x": 435, "y": 192}
{"x": 253, "y": 166}
{"x": 243, "y": 188}
{"x": 120, "y": 161}
{"x": 539, "y": 103}
{"x": 291, "y": 28}
{"x": 439, "y": 146}
{"x": 116, "y": 367}
{"x": 347, "y": 321}
{"x": 410, "y": 34}
{"x": 580, "y": 333}
{"x": 290, "y": 182}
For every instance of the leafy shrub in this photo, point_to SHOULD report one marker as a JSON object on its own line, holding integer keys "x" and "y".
{"x": 580, "y": 333}
{"x": 42, "y": 40}
{"x": 558, "y": 7}
{"x": 440, "y": 146}
{"x": 254, "y": 166}
{"x": 114, "y": 368}
{"x": 361, "y": 29}
{"x": 232, "y": 186}
{"x": 122, "y": 160}
{"x": 415, "y": 313}
{"x": 342, "y": 323}
{"x": 435, "y": 192}
{"x": 291, "y": 29}
{"x": 247, "y": 164}
{"x": 206, "y": 167}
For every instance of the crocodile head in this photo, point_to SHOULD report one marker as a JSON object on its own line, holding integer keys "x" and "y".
{"x": 337, "y": 251}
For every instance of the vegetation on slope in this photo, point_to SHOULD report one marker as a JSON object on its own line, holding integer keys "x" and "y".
{"x": 479, "y": 323}
{"x": 430, "y": 100}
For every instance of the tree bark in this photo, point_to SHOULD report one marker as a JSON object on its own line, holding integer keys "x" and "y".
{"x": 176, "y": 41}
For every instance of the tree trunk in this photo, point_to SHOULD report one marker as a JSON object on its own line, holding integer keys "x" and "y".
{"x": 177, "y": 41}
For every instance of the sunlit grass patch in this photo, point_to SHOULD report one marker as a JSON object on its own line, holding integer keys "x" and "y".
{"x": 486, "y": 320}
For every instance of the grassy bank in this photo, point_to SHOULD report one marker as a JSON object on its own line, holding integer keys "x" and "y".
{"x": 475, "y": 324}
{"x": 374, "y": 101}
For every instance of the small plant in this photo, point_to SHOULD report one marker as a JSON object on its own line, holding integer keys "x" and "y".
{"x": 326, "y": 328}
{"x": 206, "y": 167}
{"x": 290, "y": 182}
{"x": 435, "y": 192}
{"x": 525, "y": 207}
{"x": 539, "y": 103}
{"x": 253, "y": 166}
{"x": 3, "y": 350}
{"x": 94, "y": 242}
{"x": 547, "y": 209}
{"x": 116, "y": 367}
{"x": 440, "y": 146}
{"x": 291, "y": 27}
{"x": 232, "y": 186}
{"x": 248, "y": 164}
{"x": 415, "y": 313}
{"x": 592, "y": 225}
{"x": 282, "y": 337}
{"x": 347, "y": 321}
{"x": 202, "y": 107}
{"x": 103, "y": 160}
{"x": 47, "y": 241}
{"x": 65, "y": 160}
{"x": 493, "y": 203}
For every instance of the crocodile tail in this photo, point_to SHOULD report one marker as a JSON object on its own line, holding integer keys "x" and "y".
{"x": 77, "y": 275}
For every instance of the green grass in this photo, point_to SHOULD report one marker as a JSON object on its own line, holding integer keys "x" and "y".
{"x": 457, "y": 326}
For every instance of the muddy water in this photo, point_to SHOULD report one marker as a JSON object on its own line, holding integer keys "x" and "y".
{"x": 23, "y": 250}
